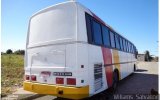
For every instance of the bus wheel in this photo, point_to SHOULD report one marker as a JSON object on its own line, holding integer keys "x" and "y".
{"x": 115, "y": 82}
{"x": 134, "y": 68}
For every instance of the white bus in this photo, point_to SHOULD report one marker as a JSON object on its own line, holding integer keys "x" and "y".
{"x": 71, "y": 53}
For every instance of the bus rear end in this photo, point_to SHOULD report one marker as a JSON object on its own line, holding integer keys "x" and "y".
{"x": 54, "y": 60}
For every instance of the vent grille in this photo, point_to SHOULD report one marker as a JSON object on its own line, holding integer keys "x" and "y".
{"x": 98, "y": 76}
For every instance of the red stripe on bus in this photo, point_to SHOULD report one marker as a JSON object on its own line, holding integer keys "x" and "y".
{"x": 97, "y": 18}
{"x": 107, "y": 57}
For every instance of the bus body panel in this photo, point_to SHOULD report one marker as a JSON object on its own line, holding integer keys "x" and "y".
{"x": 75, "y": 61}
{"x": 82, "y": 64}
{"x": 96, "y": 58}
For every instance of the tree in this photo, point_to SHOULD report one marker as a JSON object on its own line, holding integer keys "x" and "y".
{"x": 22, "y": 52}
{"x": 19, "y": 52}
{"x": 9, "y": 51}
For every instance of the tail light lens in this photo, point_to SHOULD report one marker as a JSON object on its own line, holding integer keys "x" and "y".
{"x": 59, "y": 80}
{"x": 27, "y": 77}
{"x": 33, "y": 78}
{"x": 71, "y": 81}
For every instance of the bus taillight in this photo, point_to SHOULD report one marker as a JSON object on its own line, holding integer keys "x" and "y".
{"x": 33, "y": 78}
{"x": 27, "y": 77}
{"x": 71, "y": 81}
{"x": 59, "y": 80}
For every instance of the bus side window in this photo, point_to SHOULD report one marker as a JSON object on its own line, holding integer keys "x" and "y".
{"x": 117, "y": 41}
{"x": 97, "y": 34}
{"x": 112, "y": 39}
{"x": 124, "y": 45}
{"x": 132, "y": 49}
{"x": 129, "y": 47}
{"x": 89, "y": 28}
{"x": 105, "y": 34}
{"x": 121, "y": 44}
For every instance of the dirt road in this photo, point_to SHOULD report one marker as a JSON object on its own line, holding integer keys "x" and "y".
{"x": 142, "y": 81}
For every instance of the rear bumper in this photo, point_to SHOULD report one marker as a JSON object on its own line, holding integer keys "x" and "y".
{"x": 56, "y": 90}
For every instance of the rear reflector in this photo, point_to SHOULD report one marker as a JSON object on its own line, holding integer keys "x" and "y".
{"x": 59, "y": 80}
{"x": 71, "y": 81}
{"x": 33, "y": 78}
{"x": 27, "y": 77}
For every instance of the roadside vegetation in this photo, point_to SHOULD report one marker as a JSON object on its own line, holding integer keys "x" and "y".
{"x": 12, "y": 71}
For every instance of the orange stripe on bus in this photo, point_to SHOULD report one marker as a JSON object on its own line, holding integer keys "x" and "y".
{"x": 116, "y": 60}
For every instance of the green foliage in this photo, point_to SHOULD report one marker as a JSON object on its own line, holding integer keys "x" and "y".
{"x": 12, "y": 72}
{"x": 19, "y": 52}
{"x": 9, "y": 51}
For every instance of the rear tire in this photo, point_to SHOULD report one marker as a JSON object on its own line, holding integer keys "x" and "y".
{"x": 134, "y": 68}
{"x": 115, "y": 82}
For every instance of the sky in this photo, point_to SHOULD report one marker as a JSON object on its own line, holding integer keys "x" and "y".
{"x": 137, "y": 20}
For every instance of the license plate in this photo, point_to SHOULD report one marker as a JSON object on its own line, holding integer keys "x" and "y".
{"x": 62, "y": 73}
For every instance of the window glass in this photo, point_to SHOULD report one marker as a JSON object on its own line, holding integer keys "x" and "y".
{"x": 88, "y": 27}
{"x": 117, "y": 42}
{"x": 97, "y": 33}
{"x": 121, "y": 43}
{"x": 112, "y": 39}
{"x": 132, "y": 49}
{"x": 129, "y": 47}
{"x": 124, "y": 45}
{"x": 106, "y": 38}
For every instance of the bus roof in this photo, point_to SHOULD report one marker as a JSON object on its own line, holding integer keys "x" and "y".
{"x": 48, "y": 8}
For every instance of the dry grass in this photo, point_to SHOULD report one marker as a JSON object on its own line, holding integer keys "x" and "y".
{"x": 12, "y": 72}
